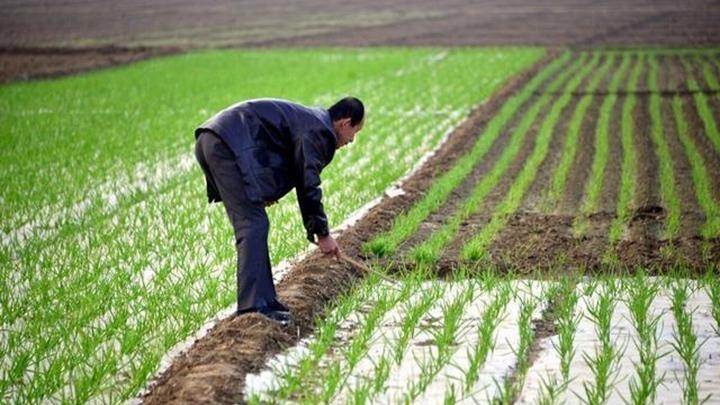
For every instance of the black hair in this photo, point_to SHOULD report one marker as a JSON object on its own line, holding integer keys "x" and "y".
{"x": 348, "y": 107}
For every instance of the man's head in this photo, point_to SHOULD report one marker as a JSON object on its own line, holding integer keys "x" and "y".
{"x": 348, "y": 118}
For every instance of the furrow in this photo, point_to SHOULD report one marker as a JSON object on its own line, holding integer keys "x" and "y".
{"x": 700, "y": 176}
{"x": 670, "y": 198}
{"x": 569, "y": 150}
{"x": 536, "y": 198}
{"x": 629, "y": 166}
{"x": 430, "y": 250}
{"x": 475, "y": 248}
{"x": 595, "y": 182}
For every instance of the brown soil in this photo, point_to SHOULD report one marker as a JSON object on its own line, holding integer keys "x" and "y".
{"x": 17, "y": 63}
{"x": 214, "y": 368}
{"x": 43, "y": 30}
{"x": 470, "y": 227}
{"x": 533, "y": 199}
{"x": 579, "y": 174}
{"x": 710, "y": 158}
{"x": 216, "y": 365}
{"x": 534, "y": 240}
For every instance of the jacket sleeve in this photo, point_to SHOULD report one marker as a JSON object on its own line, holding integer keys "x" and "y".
{"x": 309, "y": 162}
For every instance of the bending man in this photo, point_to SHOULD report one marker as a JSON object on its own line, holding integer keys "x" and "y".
{"x": 253, "y": 153}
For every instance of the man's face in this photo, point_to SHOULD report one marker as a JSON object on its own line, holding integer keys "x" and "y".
{"x": 346, "y": 132}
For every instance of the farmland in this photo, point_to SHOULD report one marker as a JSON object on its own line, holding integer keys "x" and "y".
{"x": 542, "y": 224}
{"x": 593, "y": 164}
{"x": 564, "y": 249}
{"x": 488, "y": 339}
{"x": 110, "y": 252}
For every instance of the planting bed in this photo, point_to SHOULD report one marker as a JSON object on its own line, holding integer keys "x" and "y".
{"x": 496, "y": 340}
{"x": 597, "y": 163}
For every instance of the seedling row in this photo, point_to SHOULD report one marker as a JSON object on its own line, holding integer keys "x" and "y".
{"x": 640, "y": 339}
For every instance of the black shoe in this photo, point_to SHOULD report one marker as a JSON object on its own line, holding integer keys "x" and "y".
{"x": 281, "y": 317}
{"x": 276, "y": 305}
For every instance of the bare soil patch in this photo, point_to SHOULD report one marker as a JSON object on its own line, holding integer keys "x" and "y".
{"x": 23, "y": 63}
{"x": 181, "y": 25}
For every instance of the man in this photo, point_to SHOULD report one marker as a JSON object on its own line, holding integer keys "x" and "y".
{"x": 253, "y": 153}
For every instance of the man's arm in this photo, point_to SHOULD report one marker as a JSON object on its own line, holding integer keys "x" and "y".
{"x": 309, "y": 161}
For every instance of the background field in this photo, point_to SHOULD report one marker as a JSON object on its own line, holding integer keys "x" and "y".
{"x": 40, "y": 38}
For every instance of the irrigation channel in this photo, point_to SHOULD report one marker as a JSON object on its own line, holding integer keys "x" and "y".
{"x": 562, "y": 247}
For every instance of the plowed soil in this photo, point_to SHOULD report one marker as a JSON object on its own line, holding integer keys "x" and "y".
{"x": 45, "y": 39}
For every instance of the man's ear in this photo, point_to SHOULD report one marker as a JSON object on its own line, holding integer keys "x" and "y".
{"x": 345, "y": 121}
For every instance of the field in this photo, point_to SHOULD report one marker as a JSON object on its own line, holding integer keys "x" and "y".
{"x": 110, "y": 252}
{"x": 593, "y": 175}
{"x": 47, "y": 39}
{"x": 495, "y": 339}
{"x": 542, "y": 225}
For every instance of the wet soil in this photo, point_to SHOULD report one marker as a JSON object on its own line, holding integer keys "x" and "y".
{"x": 470, "y": 227}
{"x": 213, "y": 369}
{"x": 534, "y": 239}
{"x": 533, "y": 200}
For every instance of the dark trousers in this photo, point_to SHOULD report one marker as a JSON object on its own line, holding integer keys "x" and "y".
{"x": 255, "y": 288}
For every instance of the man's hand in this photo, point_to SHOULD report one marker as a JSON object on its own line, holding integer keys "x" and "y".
{"x": 328, "y": 246}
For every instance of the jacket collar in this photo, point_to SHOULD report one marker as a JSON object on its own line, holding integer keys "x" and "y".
{"x": 328, "y": 123}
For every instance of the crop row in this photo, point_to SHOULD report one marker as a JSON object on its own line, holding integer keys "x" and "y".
{"x": 469, "y": 340}
{"x": 618, "y": 89}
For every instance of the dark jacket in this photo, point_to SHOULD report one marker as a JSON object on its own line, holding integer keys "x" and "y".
{"x": 279, "y": 145}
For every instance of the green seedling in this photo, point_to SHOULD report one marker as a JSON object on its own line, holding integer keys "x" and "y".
{"x": 657, "y": 133}
{"x": 431, "y": 248}
{"x": 566, "y": 324}
{"x": 703, "y": 107}
{"x": 604, "y": 363}
{"x": 641, "y": 292}
{"x": 475, "y": 247}
{"x": 700, "y": 175}
{"x": 95, "y": 215}
{"x": 629, "y": 164}
{"x": 444, "y": 338}
{"x": 509, "y": 389}
{"x": 407, "y": 223}
{"x": 557, "y": 185}
{"x": 595, "y": 182}
{"x": 685, "y": 343}
{"x": 712, "y": 284}
{"x": 491, "y": 318}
